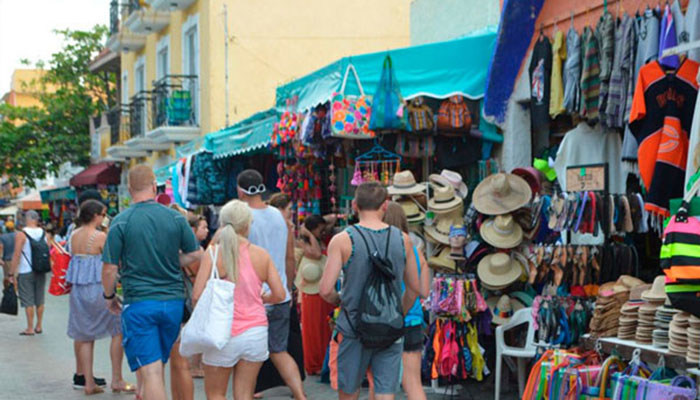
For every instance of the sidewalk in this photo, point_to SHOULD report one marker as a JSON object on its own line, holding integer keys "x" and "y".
{"x": 42, "y": 366}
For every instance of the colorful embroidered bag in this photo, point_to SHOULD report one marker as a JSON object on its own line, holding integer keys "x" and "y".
{"x": 420, "y": 116}
{"x": 454, "y": 115}
{"x": 350, "y": 115}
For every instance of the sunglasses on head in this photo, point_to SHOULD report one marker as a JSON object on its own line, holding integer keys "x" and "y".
{"x": 253, "y": 190}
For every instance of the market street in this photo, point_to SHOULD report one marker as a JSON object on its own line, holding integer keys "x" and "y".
{"x": 41, "y": 366}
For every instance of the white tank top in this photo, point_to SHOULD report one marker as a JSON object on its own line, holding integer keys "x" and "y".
{"x": 25, "y": 258}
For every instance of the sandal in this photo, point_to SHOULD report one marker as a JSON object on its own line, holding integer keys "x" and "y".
{"x": 24, "y": 333}
{"x": 126, "y": 388}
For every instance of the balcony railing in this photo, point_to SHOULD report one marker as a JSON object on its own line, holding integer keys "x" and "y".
{"x": 118, "y": 120}
{"x": 174, "y": 101}
{"x": 113, "y": 17}
{"x": 139, "y": 114}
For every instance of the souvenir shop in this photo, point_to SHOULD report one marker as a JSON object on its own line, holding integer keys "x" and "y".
{"x": 608, "y": 90}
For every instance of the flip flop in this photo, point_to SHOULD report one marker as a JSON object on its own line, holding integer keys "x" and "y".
{"x": 127, "y": 388}
{"x": 26, "y": 334}
{"x": 38, "y": 331}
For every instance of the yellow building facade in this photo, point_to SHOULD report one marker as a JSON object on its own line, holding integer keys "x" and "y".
{"x": 176, "y": 54}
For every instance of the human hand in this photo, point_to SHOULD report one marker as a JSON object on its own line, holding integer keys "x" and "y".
{"x": 114, "y": 306}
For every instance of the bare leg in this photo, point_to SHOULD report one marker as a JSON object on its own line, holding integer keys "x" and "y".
{"x": 181, "y": 385}
{"x": 344, "y": 396}
{"x": 29, "y": 312}
{"x": 216, "y": 382}
{"x": 78, "y": 369}
{"x": 244, "y": 376}
{"x": 412, "y": 384}
{"x": 385, "y": 397}
{"x": 39, "y": 318}
{"x": 197, "y": 371}
{"x": 153, "y": 384}
{"x": 116, "y": 355}
{"x": 85, "y": 360}
{"x": 288, "y": 370}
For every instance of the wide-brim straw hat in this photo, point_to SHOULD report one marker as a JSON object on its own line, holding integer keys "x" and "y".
{"x": 440, "y": 230}
{"x": 532, "y": 176}
{"x": 413, "y": 213}
{"x": 502, "y": 232}
{"x": 501, "y": 309}
{"x": 442, "y": 261}
{"x": 404, "y": 183}
{"x": 500, "y": 194}
{"x": 657, "y": 291}
{"x": 499, "y": 270}
{"x": 308, "y": 278}
{"x": 444, "y": 199}
{"x": 451, "y": 178}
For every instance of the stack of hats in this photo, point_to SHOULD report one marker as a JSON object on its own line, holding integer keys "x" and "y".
{"x": 629, "y": 313}
{"x": 662, "y": 325}
{"x": 608, "y": 306}
{"x": 653, "y": 298}
{"x": 498, "y": 271}
{"x": 678, "y": 335}
{"x": 447, "y": 204}
{"x": 693, "y": 331}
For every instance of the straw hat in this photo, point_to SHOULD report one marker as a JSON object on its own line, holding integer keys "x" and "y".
{"x": 440, "y": 231}
{"x": 657, "y": 292}
{"x": 309, "y": 275}
{"x": 444, "y": 199}
{"x": 502, "y": 232}
{"x": 404, "y": 183}
{"x": 442, "y": 260}
{"x": 501, "y": 193}
{"x": 450, "y": 178}
{"x": 499, "y": 270}
{"x": 502, "y": 311}
{"x": 413, "y": 213}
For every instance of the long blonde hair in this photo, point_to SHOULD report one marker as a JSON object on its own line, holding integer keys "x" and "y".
{"x": 235, "y": 220}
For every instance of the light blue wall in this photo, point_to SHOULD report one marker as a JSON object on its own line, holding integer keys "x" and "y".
{"x": 439, "y": 20}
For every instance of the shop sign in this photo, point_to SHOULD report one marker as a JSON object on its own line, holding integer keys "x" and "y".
{"x": 584, "y": 178}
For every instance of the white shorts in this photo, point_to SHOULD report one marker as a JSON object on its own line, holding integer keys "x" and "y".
{"x": 250, "y": 345}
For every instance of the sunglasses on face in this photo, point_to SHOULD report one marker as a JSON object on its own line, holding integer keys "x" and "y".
{"x": 253, "y": 190}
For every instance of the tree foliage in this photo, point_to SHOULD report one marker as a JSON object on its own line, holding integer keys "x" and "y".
{"x": 36, "y": 141}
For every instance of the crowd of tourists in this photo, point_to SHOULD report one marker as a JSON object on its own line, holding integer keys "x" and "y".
{"x": 138, "y": 279}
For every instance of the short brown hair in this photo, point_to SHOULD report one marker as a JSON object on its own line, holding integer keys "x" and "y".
{"x": 194, "y": 220}
{"x": 370, "y": 196}
{"x": 395, "y": 216}
{"x": 141, "y": 177}
{"x": 280, "y": 200}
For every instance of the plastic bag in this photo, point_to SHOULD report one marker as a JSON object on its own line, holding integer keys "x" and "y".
{"x": 59, "y": 266}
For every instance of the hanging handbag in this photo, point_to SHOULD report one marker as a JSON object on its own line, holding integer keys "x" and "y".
{"x": 603, "y": 386}
{"x": 60, "y": 259}
{"x": 350, "y": 115}
{"x": 210, "y": 324}
{"x": 420, "y": 116}
{"x": 387, "y": 102}
{"x": 9, "y": 300}
{"x": 678, "y": 258}
{"x": 454, "y": 115}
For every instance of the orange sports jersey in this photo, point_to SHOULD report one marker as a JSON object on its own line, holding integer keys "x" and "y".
{"x": 660, "y": 119}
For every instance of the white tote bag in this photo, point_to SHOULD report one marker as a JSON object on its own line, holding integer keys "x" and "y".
{"x": 209, "y": 326}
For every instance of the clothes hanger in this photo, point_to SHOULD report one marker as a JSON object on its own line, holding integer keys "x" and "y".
{"x": 378, "y": 153}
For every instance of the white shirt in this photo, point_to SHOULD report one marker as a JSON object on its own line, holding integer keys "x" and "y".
{"x": 269, "y": 231}
{"x": 25, "y": 258}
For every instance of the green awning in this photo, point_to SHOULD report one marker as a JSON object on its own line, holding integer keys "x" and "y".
{"x": 437, "y": 70}
{"x": 253, "y": 134}
{"x": 62, "y": 193}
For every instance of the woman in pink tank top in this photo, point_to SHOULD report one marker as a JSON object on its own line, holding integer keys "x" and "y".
{"x": 248, "y": 266}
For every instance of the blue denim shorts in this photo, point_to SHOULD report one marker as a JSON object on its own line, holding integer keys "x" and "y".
{"x": 150, "y": 329}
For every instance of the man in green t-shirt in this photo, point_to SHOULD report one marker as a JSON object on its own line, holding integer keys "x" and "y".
{"x": 149, "y": 244}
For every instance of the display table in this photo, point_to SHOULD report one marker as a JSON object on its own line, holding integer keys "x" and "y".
{"x": 625, "y": 348}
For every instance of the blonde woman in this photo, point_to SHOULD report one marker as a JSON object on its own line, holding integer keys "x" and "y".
{"x": 248, "y": 266}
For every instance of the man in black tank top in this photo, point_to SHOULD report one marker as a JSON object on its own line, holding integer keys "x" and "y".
{"x": 348, "y": 252}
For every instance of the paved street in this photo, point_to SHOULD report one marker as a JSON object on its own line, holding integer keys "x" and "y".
{"x": 42, "y": 366}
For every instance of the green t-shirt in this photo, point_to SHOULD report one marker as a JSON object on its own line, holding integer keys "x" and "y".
{"x": 145, "y": 241}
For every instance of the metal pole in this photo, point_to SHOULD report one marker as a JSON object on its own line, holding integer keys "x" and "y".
{"x": 226, "y": 88}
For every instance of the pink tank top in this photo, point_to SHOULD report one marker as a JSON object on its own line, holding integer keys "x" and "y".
{"x": 248, "y": 308}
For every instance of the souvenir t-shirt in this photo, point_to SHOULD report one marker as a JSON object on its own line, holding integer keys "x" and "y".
{"x": 660, "y": 120}
{"x": 146, "y": 241}
{"x": 540, "y": 80}
{"x": 556, "y": 101}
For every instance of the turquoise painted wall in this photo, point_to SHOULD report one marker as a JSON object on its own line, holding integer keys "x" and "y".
{"x": 439, "y": 20}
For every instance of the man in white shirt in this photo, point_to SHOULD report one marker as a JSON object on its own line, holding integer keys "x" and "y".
{"x": 269, "y": 231}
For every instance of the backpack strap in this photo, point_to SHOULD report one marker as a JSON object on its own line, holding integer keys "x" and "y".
{"x": 30, "y": 239}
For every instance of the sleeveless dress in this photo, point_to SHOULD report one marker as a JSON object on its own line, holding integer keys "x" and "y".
{"x": 88, "y": 317}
